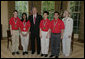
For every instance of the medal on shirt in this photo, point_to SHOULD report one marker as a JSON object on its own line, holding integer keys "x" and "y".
{"x": 15, "y": 22}
{"x": 54, "y": 25}
{"x": 24, "y": 25}
{"x": 44, "y": 23}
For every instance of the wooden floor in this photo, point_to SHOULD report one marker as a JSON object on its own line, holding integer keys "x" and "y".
{"x": 78, "y": 52}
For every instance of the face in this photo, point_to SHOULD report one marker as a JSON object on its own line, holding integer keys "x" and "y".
{"x": 34, "y": 11}
{"x": 45, "y": 15}
{"x": 56, "y": 15}
{"x": 65, "y": 14}
{"x": 15, "y": 14}
{"x": 24, "y": 16}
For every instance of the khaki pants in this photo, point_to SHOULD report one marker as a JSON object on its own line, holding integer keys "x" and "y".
{"x": 44, "y": 43}
{"x": 15, "y": 40}
{"x": 24, "y": 41}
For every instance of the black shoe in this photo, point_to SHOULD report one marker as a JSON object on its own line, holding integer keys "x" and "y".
{"x": 23, "y": 53}
{"x": 26, "y": 52}
{"x": 17, "y": 53}
{"x": 32, "y": 52}
{"x": 42, "y": 54}
{"x": 51, "y": 55}
{"x": 13, "y": 53}
{"x": 46, "y": 55}
{"x": 38, "y": 53}
{"x": 56, "y": 57}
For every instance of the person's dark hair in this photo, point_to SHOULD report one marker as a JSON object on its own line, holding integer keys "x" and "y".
{"x": 15, "y": 11}
{"x": 22, "y": 17}
{"x": 46, "y": 12}
{"x": 57, "y": 12}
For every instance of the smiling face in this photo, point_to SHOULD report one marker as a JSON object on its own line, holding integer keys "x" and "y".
{"x": 45, "y": 15}
{"x": 66, "y": 14}
{"x": 56, "y": 15}
{"x": 15, "y": 14}
{"x": 34, "y": 10}
{"x": 24, "y": 16}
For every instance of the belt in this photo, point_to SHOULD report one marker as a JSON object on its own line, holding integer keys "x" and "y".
{"x": 15, "y": 29}
{"x": 55, "y": 33}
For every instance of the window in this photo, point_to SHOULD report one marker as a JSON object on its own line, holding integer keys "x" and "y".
{"x": 48, "y": 6}
{"x": 21, "y": 6}
{"x": 74, "y": 7}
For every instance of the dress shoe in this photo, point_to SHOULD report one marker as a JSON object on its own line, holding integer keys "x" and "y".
{"x": 13, "y": 53}
{"x": 46, "y": 55}
{"x": 42, "y": 54}
{"x": 38, "y": 53}
{"x": 32, "y": 52}
{"x": 56, "y": 57}
{"x": 17, "y": 53}
{"x": 51, "y": 55}
{"x": 26, "y": 52}
{"x": 23, "y": 53}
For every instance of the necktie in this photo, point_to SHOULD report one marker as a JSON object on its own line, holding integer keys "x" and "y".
{"x": 34, "y": 19}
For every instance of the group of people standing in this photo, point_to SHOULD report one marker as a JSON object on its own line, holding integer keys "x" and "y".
{"x": 42, "y": 30}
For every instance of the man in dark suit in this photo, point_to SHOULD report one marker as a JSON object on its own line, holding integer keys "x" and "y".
{"x": 34, "y": 29}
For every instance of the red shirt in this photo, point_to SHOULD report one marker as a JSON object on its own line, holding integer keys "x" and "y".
{"x": 14, "y": 22}
{"x": 45, "y": 25}
{"x": 25, "y": 27}
{"x": 57, "y": 25}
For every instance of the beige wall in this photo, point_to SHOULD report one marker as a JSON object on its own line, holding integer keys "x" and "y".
{"x": 4, "y": 17}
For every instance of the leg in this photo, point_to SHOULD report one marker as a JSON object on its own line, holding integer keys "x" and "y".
{"x": 17, "y": 41}
{"x": 23, "y": 42}
{"x": 64, "y": 45}
{"x": 52, "y": 44}
{"x": 27, "y": 42}
{"x": 58, "y": 44}
{"x": 68, "y": 46}
{"x": 42, "y": 42}
{"x": 33, "y": 42}
{"x": 38, "y": 44}
{"x": 47, "y": 46}
{"x": 13, "y": 41}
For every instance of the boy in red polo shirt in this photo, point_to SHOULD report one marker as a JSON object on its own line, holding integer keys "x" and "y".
{"x": 57, "y": 27}
{"x": 14, "y": 27}
{"x": 44, "y": 34}
{"x": 24, "y": 33}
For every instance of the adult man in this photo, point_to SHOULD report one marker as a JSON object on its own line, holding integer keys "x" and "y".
{"x": 44, "y": 34}
{"x": 57, "y": 27}
{"x": 14, "y": 27}
{"x": 34, "y": 29}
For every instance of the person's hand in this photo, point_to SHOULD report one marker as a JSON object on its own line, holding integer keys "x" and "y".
{"x": 40, "y": 36}
{"x": 47, "y": 36}
{"x": 61, "y": 37}
{"x": 25, "y": 35}
{"x": 11, "y": 33}
{"x": 69, "y": 36}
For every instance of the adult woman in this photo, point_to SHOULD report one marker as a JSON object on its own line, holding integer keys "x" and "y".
{"x": 24, "y": 32}
{"x": 67, "y": 33}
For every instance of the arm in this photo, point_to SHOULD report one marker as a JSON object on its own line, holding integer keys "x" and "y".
{"x": 11, "y": 29}
{"x": 40, "y": 33}
{"x": 62, "y": 31}
{"x": 49, "y": 33}
{"x": 70, "y": 28}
